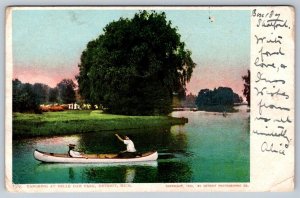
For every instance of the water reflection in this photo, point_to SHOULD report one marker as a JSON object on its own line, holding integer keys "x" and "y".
{"x": 71, "y": 174}
{"x": 54, "y": 166}
{"x": 129, "y": 175}
{"x": 173, "y": 154}
{"x": 114, "y": 174}
{"x": 167, "y": 171}
{"x": 144, "y": 140}
{"x": 179, "y": 171}
{"x": 99, "y": 173}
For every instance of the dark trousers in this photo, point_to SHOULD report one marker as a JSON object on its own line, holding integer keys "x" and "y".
{"x": 127, "y": 154}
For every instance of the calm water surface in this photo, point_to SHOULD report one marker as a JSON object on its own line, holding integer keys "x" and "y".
{"x": 209, "y": 148}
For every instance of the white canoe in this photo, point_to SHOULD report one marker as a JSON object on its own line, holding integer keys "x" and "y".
{"x": 91, "y": 158}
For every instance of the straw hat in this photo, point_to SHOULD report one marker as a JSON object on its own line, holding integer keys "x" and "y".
{"x": 72, "y": 145}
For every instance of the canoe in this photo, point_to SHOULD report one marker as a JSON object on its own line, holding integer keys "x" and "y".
{"x": 91, "y": 158}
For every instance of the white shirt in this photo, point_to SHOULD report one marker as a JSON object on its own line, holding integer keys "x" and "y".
{"x": 75, "y": 154}
{"x": 130, "y": 146}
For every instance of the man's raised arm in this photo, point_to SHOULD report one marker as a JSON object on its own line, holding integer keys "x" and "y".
{"x": 119, "y": 137}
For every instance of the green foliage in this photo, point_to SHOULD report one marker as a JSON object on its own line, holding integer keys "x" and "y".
{"x": 220, "y": 97}
{"x": 25, "y": 97}
{"x": 135, "y": 66}
{"x": 41, "y": 92}
{"x": 237, "y": 98}
{"x": 246, "y": 91}
{"x": 66, "y": 91}
{"x": 53, "y": 95}
{"x": 71, "y": 122}
{"x": 28, "y": 97}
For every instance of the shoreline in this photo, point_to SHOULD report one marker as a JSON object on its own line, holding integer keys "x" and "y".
{"x": 87, "y": 121}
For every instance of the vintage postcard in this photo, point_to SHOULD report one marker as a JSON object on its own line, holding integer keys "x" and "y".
{"x": 150, "y": 99}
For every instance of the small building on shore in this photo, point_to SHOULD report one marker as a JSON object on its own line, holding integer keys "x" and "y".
{"x": 74, "y": 106}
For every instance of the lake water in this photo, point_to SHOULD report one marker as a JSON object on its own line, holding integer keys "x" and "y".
{"x": 209, "y": 148}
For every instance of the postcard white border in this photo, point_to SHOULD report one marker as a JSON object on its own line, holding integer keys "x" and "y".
{"x": 182, "y": 187}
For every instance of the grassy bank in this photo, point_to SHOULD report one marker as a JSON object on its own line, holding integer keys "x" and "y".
{"x": 70, "y": 122}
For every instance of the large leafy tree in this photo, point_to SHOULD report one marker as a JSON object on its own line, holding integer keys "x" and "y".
{"x": 66, "y": 90}
{"x": 135, "y": 66}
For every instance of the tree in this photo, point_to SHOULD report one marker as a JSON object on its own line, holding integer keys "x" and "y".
{"x": 66, "y": 91}
{"x": 17, "y": 91}
{"x": 237, "y": 98}
{"x": 24, "y": 97}
{"x": 246, "y": 91}
{"x": 222, "y": 96}
{"x": 41, "y": 92}
{"x": 53, "y": 95}
{"x": 204, "y": 98}
{"x": 135, "y": 66}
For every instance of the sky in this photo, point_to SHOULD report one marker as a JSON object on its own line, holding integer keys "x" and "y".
{"x": 47, "y": 44}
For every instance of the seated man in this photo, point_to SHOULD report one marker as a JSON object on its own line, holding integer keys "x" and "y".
{"x": 73, "y": 153}
{"x": 130, "y": 151}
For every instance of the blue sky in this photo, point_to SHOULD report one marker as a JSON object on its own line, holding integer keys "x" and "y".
{"x": 47, "y": 44}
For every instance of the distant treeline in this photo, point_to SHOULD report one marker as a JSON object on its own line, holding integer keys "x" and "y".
{"x": 28, "y": 97}
{"x": 219, "y": 96}
{"x": 218, "y": 99}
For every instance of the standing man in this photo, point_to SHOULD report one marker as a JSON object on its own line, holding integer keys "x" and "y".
{"x": 130, "y": 150}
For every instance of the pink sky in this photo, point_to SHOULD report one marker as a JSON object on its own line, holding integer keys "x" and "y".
{"x": 211, "y": 77}
{"x": 203, "y": 76}
{"x": 45, "y": 75}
